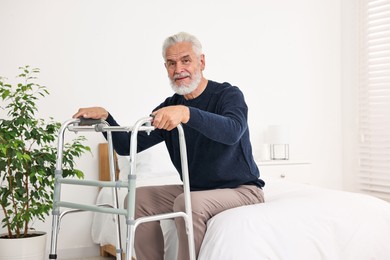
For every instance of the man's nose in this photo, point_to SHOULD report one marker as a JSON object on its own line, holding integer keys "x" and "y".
{"x": 179, "y": 67}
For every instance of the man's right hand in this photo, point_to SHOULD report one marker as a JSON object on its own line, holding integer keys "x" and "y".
{"x": 92, "y": 112}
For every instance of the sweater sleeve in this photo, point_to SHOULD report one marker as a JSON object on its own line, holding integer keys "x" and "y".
{"x": 120, "y": 140}
{"x": 228, "y": 123}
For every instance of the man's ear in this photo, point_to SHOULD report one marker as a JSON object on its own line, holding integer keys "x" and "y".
{"x": 202, "y": 62}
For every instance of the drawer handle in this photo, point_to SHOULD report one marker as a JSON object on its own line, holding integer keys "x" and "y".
{"x": 282, "y": 175}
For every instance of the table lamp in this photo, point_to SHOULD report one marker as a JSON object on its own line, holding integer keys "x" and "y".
{"x": 278, "y": 139}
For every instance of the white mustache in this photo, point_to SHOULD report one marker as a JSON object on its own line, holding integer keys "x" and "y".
{"x": 181, "y": 75}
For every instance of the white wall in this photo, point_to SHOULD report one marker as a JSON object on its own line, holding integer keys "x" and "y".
{"x": 349, "y": 83}
{"x": 284, "y": 55}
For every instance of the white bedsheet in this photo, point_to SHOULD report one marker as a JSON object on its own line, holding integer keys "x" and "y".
{"x": 296, "y": 222}
{"x": 301, "y": 222}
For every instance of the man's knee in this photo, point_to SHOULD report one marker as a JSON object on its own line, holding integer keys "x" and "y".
{"x": 179, "y": 203}
{"x": 198, "y": 204}
{"x": 142, "y": 199}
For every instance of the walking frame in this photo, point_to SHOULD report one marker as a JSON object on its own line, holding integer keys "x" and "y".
{"x": 144, "y": 124}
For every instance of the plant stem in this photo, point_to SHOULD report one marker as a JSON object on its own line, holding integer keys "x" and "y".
{"x": 11, "y": 191}
{"x": 27, "y": 205}
{"x": 8, "y": 224}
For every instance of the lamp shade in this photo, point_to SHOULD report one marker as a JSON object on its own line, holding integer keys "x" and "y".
{"x": 278, "y": 134}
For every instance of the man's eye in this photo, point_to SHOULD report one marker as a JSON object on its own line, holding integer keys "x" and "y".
{"x": 186, "y": 61}
{"x": 170, "y": 63}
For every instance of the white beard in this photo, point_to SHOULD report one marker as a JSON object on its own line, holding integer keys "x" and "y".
{"x": 186, "y": 89}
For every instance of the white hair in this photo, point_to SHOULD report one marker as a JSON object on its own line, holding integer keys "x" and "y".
{"x": 182, "y": 37}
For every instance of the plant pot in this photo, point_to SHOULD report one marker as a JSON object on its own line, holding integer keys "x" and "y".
{"x": 29, "y": 248}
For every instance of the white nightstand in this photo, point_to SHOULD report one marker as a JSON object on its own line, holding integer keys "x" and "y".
{"x": 295, "y": 171}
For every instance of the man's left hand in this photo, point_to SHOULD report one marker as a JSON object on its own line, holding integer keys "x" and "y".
{"x": 169, "y": 117}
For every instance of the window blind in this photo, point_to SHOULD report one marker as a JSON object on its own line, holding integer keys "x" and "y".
{"x": 374, "y": 98}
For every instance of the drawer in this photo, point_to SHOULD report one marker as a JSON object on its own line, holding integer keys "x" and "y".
{"x": 295, "y": 172}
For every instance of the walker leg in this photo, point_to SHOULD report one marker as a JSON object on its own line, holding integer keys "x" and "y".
{"x": 56, "y": 214}
{"x": 119, "y": 250}
{"x": 190, "y": 238}
{"x": 114, "y": 195}
{"x": 54, "y": 236}
{"x": 130, "y": 240}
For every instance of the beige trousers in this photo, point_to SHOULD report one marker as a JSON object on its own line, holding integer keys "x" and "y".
{"x": 152, "y": 200}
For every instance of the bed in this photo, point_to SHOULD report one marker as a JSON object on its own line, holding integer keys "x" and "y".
{"x": 297, "y": 221}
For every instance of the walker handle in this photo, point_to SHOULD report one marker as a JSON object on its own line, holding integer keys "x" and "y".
{"x": 89, "y": 121}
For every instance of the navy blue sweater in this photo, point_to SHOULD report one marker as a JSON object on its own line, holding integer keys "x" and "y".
{"x": 217, "y": 138}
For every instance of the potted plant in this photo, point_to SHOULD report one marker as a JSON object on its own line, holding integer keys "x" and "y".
{"x": 28, "y": 157}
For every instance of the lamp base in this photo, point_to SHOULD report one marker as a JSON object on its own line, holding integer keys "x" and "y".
{"x": 279, "y": 152}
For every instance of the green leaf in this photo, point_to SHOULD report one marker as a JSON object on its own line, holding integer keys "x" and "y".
{"x": 5, "y": 94}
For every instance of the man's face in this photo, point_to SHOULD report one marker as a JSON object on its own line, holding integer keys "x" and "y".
{"x": 184, "y": 68}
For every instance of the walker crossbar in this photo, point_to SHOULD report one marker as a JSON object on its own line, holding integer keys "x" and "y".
{"x": 144, "y": 124}
{"x": 70, "y": 211}
{"x": 91, "y": 208}
{"x": 159, "y": 217}
{"x": 117, "y": 184}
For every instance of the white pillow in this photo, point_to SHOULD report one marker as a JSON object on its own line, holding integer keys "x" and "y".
{"x": 153, "y": 162}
